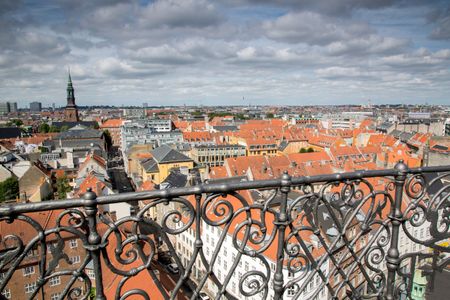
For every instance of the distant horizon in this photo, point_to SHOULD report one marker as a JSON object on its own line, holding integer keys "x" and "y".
{"x": 237, "y": 105}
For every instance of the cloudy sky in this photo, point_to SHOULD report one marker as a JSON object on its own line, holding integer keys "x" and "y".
{"x": 200, "y": 52}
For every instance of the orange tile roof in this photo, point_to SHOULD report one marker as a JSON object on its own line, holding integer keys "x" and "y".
{"x": 147, "y": 185}
{"x": 112, "y": 123}
{"x": 197, "y": 136}
{"x": 100, "y": 160}
{"x": 92, "y": 182}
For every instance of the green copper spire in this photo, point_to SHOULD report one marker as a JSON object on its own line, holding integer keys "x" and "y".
{"x": 70, "y": 78}
{"x": 70, "y": 92}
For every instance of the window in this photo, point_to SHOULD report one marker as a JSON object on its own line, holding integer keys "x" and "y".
{"x": 74, "y": 259}
{"x": 55, "y": 280}
{"x": 7, "y": 293}
{"x": 73, "y": 243}
{"x": 336, "y": 278}
{"x": 28, "y": 270}
{"x": 54, "y": 296}
{"x": 291, "y": 291}
{"x": 30, "y": 287}
{"x": 90, "y": 273}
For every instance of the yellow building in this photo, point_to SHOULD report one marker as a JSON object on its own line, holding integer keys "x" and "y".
{"x": 261, "y": 147}
{"x": 163, "y": 160}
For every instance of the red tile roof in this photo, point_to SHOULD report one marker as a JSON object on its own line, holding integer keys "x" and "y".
{"x": 112, "y": 123}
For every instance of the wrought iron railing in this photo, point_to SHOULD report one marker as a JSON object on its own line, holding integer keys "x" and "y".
{"x": 351, "y": 235}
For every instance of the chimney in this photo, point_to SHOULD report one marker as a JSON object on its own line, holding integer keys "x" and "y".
{"x": 264, "y": 169}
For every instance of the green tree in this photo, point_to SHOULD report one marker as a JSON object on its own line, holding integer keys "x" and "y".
{"x": 310, "y": 149}
{"x": 197, "y": 113}
{"x": 53, "y": 128}
{"x": 302, "y": 150}
{"x": 9, "y": 189}
{"x": 269, "y": 115}
{"x": 240, "y": 117}
{"x": 64, "y": 128}
{"x": 96, "y": 126}
{"x": 44, "y": 128}
{"x": 15, "y": 122}
{"x": 62, "y": 187}
{"x": 92, "y": 293}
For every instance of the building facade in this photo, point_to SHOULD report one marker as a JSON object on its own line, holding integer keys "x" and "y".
{"x": 156, "y": 132}
{"x": 35, "y": 106}
{"x": 213, "y": 155}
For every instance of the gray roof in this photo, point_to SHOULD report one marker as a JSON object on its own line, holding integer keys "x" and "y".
{"x": 175, "y": 179}
{"x": 10, "y": 132}
{"x": 72, "y": 124}
{"x": 406, "y": 136}
{"x": 283, "y": 145}
{"x": 165, "y": 154}
{"x": 79, "y": 134}
{"x": 440, "y": 147}
{"x": 150, "y": 165}
{"x": 396, "y": 133}
{"x": 226, "y": 128}
{"x": 385, "y": 126}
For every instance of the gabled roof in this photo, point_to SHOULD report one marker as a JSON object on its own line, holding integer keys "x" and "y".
{"x": 112, "y": 123}
{"x": 165, "y": 154}
{"x": 80, "y": 134}
{"x": 175, "y": 179}
{"x": 94, "y": 181}
{"x": 98, "y": 159}
{"x": 150, "y": 165}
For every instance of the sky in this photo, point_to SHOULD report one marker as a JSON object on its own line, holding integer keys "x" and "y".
{"x": 225, "y": 52}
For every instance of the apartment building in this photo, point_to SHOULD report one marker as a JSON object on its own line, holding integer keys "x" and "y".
{"x": 64, "y": 252}
{"x": 155, "y": 132}
{"x": 213, "y": 155}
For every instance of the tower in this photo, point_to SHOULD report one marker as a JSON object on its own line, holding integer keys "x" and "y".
{"x": 71, "y": 111}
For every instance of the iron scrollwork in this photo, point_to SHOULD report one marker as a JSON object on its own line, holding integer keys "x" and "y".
{"x": 329, "y": 236}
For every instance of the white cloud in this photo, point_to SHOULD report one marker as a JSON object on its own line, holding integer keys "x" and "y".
{"x": 177, "y": 50}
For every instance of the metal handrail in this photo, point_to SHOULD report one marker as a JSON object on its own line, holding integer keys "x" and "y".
{"x": 326, "y": 236}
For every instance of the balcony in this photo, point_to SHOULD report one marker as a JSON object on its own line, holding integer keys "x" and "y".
{"x": 379, "y": 234}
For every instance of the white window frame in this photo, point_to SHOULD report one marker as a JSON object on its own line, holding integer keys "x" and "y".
{"x": 28, "y": 270}
{"x": 90, "y": 273}
{"x": 55, "y": 296}
{"x": 54, "y": 281}
{"x": 30, "y": 287}
{"x": 6, "y": 293}
{"x": 73, "y": 243}
{"x": 75, "y": 259}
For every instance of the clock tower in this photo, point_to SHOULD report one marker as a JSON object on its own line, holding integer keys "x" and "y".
{"x": 71, "y": 111}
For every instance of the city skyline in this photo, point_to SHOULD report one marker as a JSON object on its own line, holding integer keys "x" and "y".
{"x": 200, "y": 52}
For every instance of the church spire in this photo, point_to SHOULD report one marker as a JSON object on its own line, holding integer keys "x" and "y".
{"x": 71, "y": 111}
{"x": 70, "y": 92}
{"x": 70, "y": 78}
